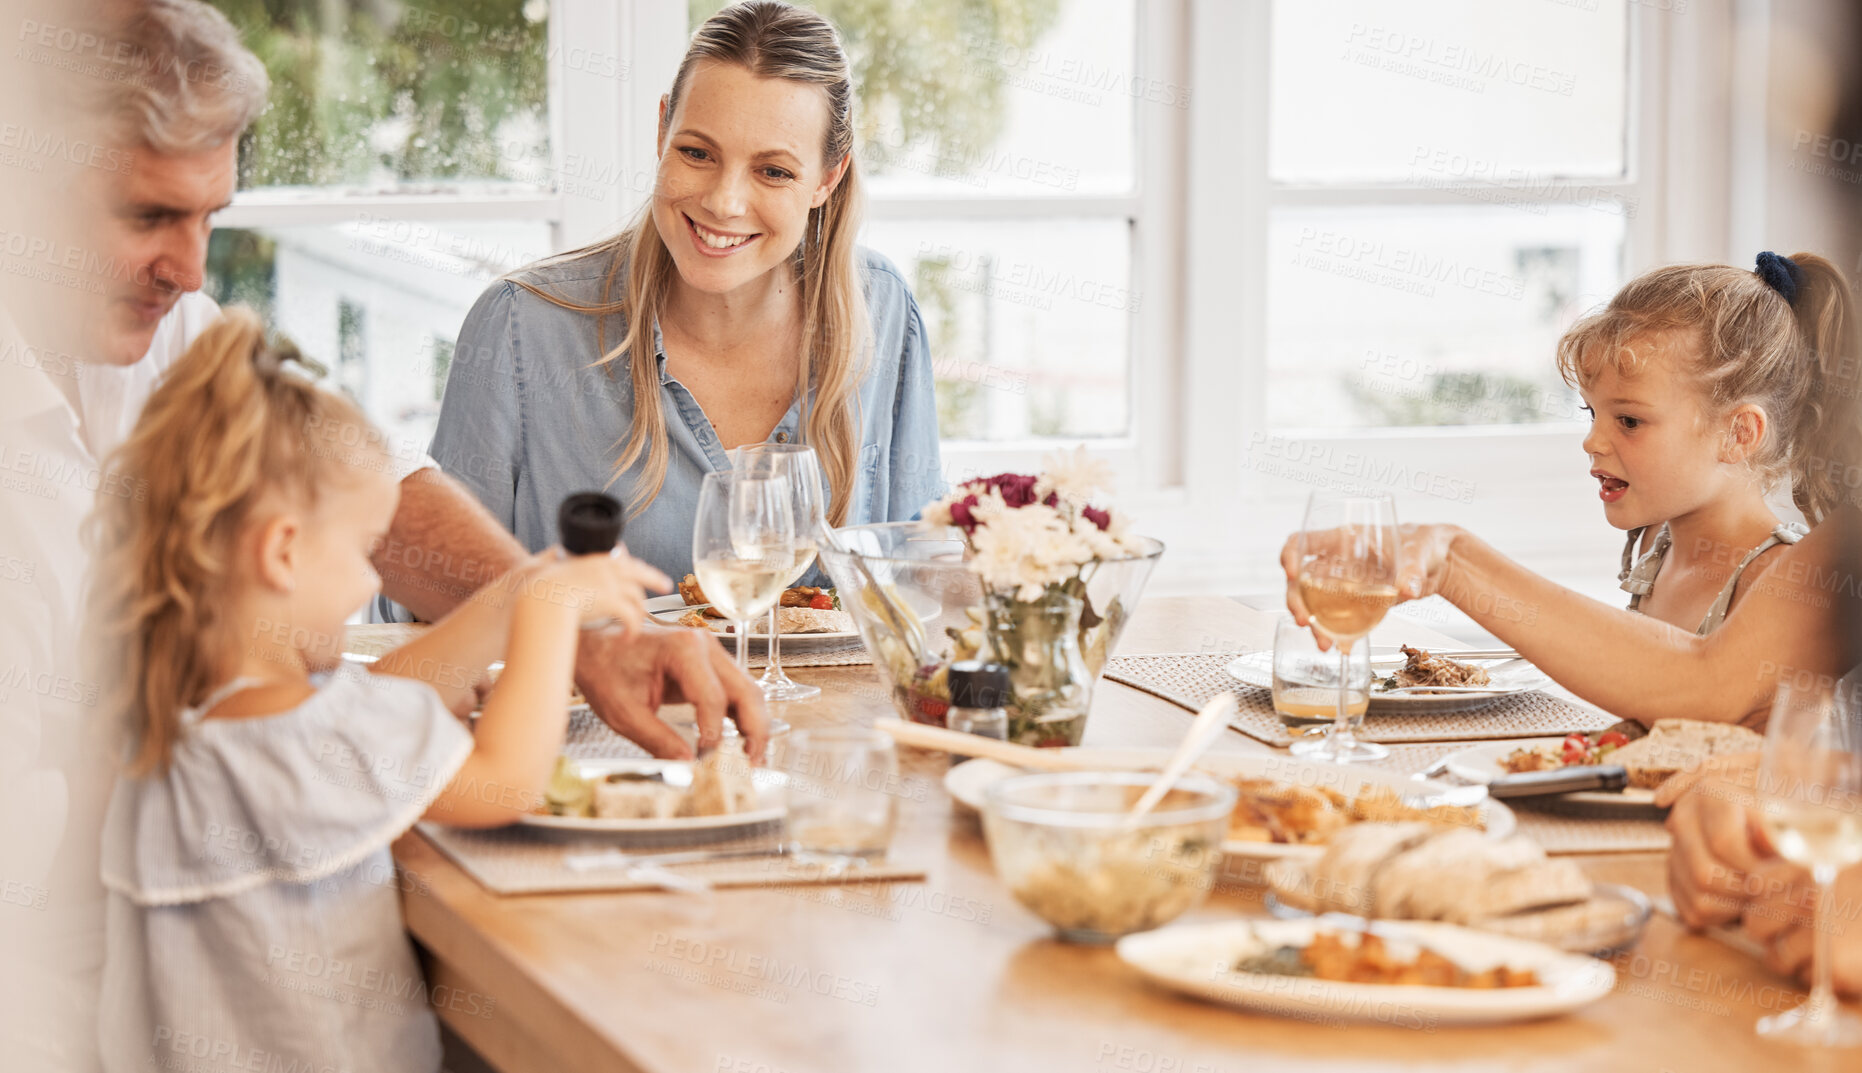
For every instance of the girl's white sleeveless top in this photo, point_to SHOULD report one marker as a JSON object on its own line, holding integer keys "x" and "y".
{"x": 254, "y": 917}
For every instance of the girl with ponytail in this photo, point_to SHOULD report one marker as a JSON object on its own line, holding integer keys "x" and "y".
{"x": 735, "y": 308}
{"x": 1706, "y": 386}
{"x": 1709, "y": 386}
{"x": 263, "y": 785}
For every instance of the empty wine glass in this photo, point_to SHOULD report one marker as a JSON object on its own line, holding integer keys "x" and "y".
{"x": 1810, "y": 803}
{"x": 1348, "y": 549}
{"x": 743, "y": 547}
{"x": 796, "y": 465}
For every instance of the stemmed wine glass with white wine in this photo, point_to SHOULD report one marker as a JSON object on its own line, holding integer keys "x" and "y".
{"x": 743, "y": 547}
{"x": 797, "y": 466}
{"x": 1810, "y": 804}
{"x": 1348, "y": 548}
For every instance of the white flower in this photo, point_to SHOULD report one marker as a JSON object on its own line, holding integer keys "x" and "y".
{"x": 1074, "y": 476}
{"x": 1026, "y": 549}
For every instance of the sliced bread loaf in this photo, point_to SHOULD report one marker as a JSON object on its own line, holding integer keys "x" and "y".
{"x": 1678, "y": 745}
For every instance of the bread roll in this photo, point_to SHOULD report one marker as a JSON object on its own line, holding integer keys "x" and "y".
{"x": 1678, "y": 745}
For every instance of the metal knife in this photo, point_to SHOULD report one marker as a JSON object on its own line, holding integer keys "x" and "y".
{"x": 1608, "y": 778}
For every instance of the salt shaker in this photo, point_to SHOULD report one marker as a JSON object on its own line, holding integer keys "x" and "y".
{"x": 978, "y": 692}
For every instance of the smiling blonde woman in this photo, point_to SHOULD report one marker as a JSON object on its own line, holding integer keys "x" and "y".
{"x": 736, "y": 309}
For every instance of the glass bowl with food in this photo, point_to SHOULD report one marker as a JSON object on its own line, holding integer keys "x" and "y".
{"x": 1061, "y": 843}
{"x": 921, "y": 604}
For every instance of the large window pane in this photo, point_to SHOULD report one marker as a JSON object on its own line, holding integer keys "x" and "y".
{"x": 978, "y": 97}
{"x": 378, "y": 301}
{"x": 381, "y": 95}
{"x": 1429, "y": 316}
{"x": 1029, "y": 322}
{"x": 1447, "y": 91}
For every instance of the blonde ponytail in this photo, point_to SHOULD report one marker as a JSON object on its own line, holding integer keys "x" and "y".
{"x": 228, "y": 427}
{"x": 1829, "y": 447}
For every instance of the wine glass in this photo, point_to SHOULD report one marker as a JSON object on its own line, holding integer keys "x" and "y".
{"x": 1348, "y": 579}
{"x": 1810, "y": 803}
{"x": 743, "y": 547}
{"x": 797, "y": 465}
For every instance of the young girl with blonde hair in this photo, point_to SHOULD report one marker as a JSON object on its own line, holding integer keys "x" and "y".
{"x": 253, "y": 915}
{"x": 1706, "y": 385}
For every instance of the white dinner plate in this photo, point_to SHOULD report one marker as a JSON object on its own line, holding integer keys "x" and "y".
{"x": 769, "y": 801}
{"x": 1511, "y": 677}
{"x": 1481, "y": 763}
{"x": 1197, "y": 959}
{"x": 667, "y": 610}
{"x": 969, "y": 781}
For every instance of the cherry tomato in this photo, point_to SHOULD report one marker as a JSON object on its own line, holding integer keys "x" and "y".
{"x": 1614, "y": 738}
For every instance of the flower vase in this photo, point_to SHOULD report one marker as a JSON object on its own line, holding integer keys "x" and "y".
{"x": 1039, "y": 641}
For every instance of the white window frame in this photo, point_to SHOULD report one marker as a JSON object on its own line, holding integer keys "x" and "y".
{"x": 1199, "y": 211}
{"x": 1146, "y": 455}
{"x": 1528, "y": 476}
{"x": 593, "y": 144}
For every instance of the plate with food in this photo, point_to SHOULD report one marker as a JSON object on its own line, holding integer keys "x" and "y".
{"x": 1402, "y": 677}
{"x": 1409, "y": 974}
{"x": 1286, "y": 807}
{"x": 803, "y": 613}
{"x": 638, "y": 796}
{"x": 1408, "y": 871}
{"x": 1650, "y": 757}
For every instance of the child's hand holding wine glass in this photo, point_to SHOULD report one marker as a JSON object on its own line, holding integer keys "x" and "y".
{"x": 1347, "y": 557}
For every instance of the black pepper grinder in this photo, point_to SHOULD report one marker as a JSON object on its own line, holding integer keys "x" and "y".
{"x": 979, "y": 693}
{"x": 590, "y": 523}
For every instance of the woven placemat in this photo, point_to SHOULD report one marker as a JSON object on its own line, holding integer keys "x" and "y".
{"x": 1570, "y": 828}
{"x": 1191, "y": 679}
{"x": 815, "y": 654}
{"x": 521, "y": 860}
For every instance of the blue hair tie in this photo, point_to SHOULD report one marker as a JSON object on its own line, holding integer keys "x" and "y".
{"x": 1781, "y": 274}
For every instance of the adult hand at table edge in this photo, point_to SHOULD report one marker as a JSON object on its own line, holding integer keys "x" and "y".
{"x": 627, "y": 679}
{"x": 1717, "y": 842}
{"x": 1782, "y": 916}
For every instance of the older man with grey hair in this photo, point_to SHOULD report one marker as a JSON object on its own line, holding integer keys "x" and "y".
{"x": 169, "y": 89}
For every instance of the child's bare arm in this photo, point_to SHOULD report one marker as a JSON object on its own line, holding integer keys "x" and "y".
{"x": 520, "y": 731}
{"x": 1792, "y": 620}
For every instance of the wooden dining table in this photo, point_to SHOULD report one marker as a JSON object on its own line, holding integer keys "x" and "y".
{"x": 952, "y": 974}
